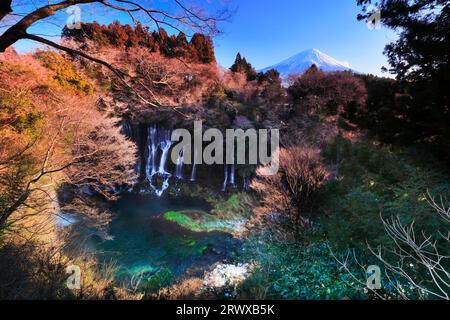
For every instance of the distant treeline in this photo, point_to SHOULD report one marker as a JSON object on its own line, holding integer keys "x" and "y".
{"x": 200, "y": 48}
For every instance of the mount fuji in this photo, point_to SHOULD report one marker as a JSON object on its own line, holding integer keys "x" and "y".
{"x": 304, "y": 60}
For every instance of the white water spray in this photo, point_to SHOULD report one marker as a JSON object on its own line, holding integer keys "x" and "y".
{"x": 179, "y": 167}
{"x": 152, "y": 153}
{"x": 165, "y": 147}
{"x": 225, "y": 180}
{"x": 232, "y": 174}
{"x": 194, "y": 172}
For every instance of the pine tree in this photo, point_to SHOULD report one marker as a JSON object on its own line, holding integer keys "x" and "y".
{"x": 237, "y": 65}
{"x": 242, "y": 66}
{"x": 202, "y": 47}
{"x": 420, "y": 60}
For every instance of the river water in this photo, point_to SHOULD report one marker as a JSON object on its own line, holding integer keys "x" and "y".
{"x": 144, "y": 242}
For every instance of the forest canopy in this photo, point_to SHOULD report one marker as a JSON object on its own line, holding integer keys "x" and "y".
{"x": 199, "y": 49}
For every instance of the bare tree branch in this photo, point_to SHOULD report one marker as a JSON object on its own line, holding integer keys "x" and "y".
{"x": 19, "y": 30}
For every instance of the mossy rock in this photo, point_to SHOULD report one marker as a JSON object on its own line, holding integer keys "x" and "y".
{"x": 199, "y": 221}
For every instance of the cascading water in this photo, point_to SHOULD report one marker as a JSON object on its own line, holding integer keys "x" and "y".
{"x": 157, "y": 140}
{"x": 194, "y": 168}
{"x": 232, "y": 174}
{"x": 179, "y": 167}
{"x": 152, "y": 153}
{"x": 165, "y": 147}
{"x": 155, "y": 145}
{"x": 165, "y": 184}
{"x": 225, "y": 179}
{"x": 194, "y": 172}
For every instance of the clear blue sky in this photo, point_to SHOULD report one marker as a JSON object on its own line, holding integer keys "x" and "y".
{"x": 268, "y": 31}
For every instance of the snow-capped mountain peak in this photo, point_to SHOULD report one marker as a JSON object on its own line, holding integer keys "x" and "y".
{"x": 305, "y": 59}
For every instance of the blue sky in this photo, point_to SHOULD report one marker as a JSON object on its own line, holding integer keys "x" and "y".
{"x": 268, "y": 31}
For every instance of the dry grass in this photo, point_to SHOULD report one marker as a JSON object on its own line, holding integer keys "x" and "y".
{"x": 186, "y": 289}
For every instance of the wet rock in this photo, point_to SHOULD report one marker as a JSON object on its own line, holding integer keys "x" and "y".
{"x": 225, "y": 278}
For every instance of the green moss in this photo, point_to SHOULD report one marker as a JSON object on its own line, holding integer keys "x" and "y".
{"x": 233, "y": 201}
{"x": 202, "y": 249}
{"x": 190, "y": 243}
{"x": 233, "y": 207}
{"x": 182, "y": 219}
{"x": 199, "y": 221}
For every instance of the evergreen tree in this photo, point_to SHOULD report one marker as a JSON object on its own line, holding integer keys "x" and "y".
{"x": 237, "y": 65}
{"x": 271, "y": 76}
{"x": 202, "y": 47}
{"x": 270, "y": 83}
{"x": 420, "y": 60}
{"x": 242, "y": 66}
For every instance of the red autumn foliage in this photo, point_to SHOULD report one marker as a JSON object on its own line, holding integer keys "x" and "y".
{"x": 200, "y": 49}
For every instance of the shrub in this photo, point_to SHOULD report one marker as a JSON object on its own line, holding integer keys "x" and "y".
{"x": 299, "y": 270}
{"x": 18, "y": 111}
{"x": 64, "y": 72}
{"x": 371, "y": 182}
{"x": 291, "y": 192}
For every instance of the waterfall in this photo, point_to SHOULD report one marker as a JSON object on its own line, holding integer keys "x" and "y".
{"x": 164, "y": 186}
{"x": 225, "y": 180}
{"x": 165, "y": 147}
{"x": 194, "y": 167}
{"x": 179, "y": 168}
{"x": 232, "y": 173}
{"x": 152, "y": 153}
{"x": 157, "y": 140}
{"x": 137, "y": 168}
{"x": 154, "y": 145}
{"x": 157, "y": 173}
{"x": 193, "y": 172}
